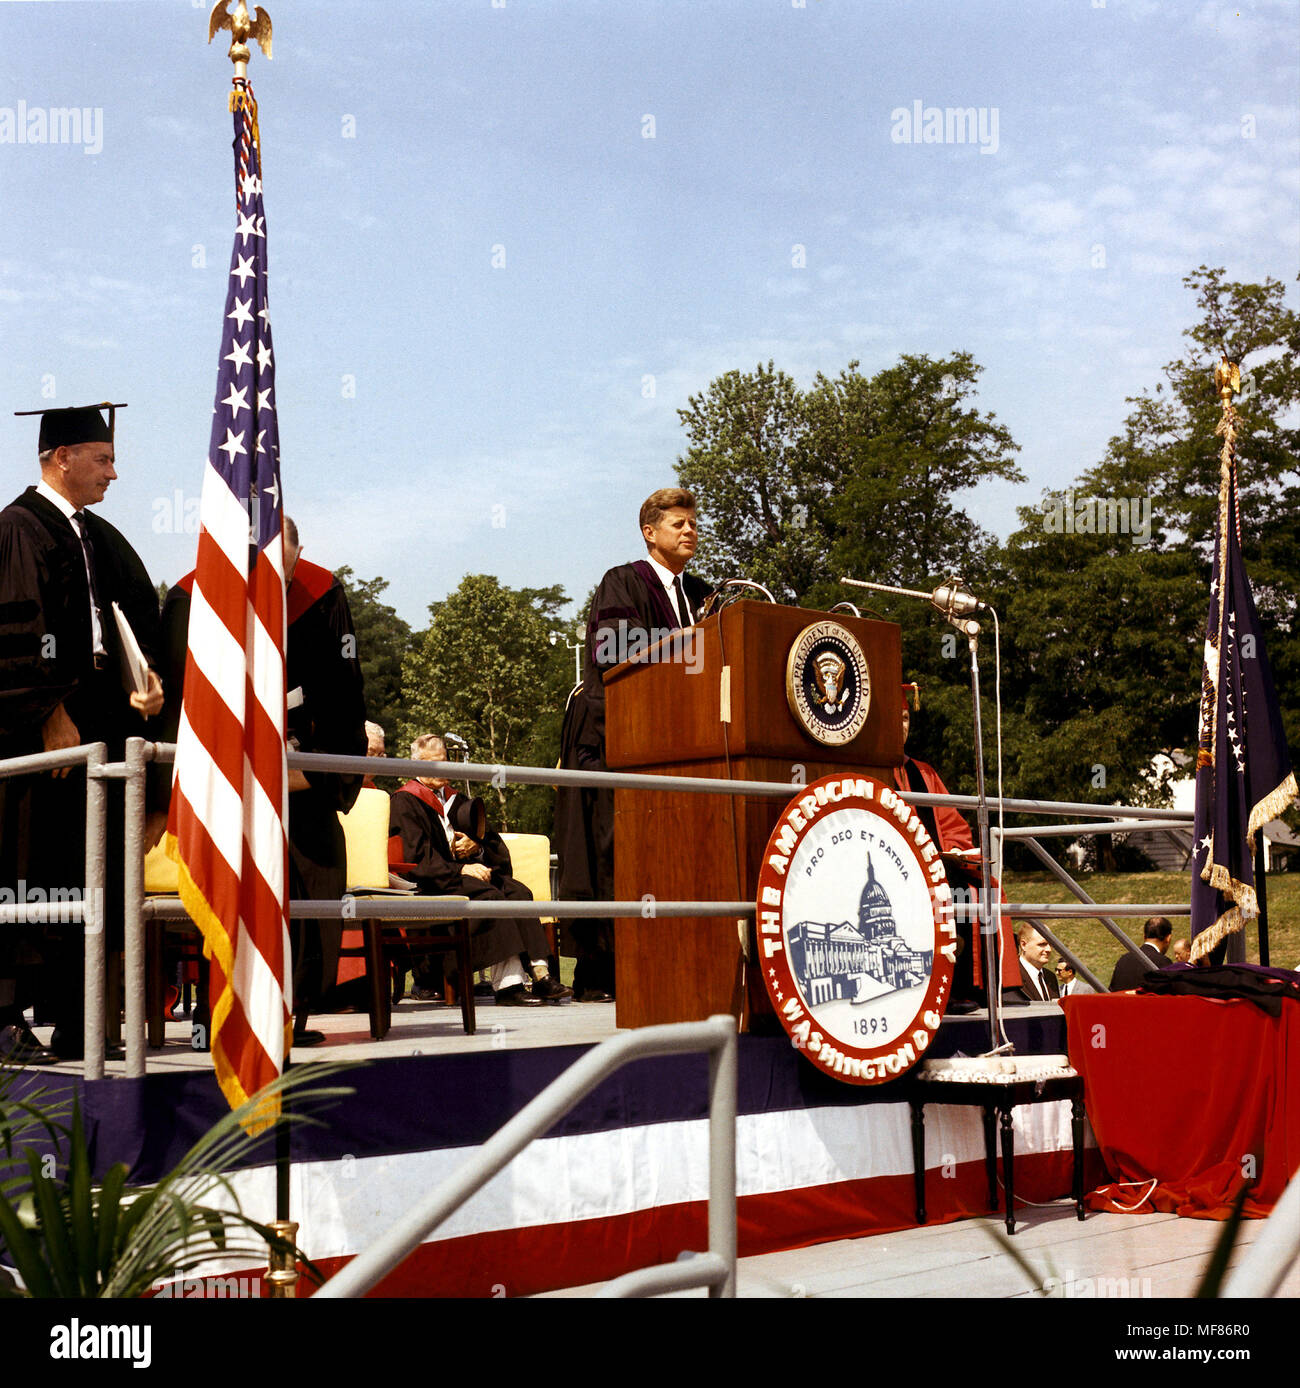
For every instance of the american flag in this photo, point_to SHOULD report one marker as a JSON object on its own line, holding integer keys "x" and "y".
{"x": 227, "y": 822}
{"x": 1243, "y": 768}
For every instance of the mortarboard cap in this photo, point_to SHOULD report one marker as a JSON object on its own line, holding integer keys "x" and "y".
{"x": 81, "y": 424}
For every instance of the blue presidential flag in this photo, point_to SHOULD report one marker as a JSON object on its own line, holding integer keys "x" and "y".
{"x": 1243, "y": 768}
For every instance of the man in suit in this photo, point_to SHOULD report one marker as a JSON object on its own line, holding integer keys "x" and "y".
{"x": 1130, "y": 970}
{"x": 1037, "y": 981}
{"x": 62, "y": 571}
{"x": 445, "y": 861}
{"x": 1068, "y": 984}
{"x": 634, "y": 605}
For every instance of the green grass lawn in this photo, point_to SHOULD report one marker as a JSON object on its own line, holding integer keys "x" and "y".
{"x": 1095, "y": 945}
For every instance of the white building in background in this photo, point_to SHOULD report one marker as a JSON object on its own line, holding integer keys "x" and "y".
{"x": 1171, "y": 849}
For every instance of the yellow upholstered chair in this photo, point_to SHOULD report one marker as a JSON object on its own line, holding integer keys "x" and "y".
{"x": 365, "y": 830}
{"x": 530, "y": 863}
{"x": 162, "y": 878}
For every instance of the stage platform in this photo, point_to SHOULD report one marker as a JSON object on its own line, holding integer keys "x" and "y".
{"x": 433, "y": 1029}
{"x": 620, "y": 1183}
{"x": 1109, "y": 1257}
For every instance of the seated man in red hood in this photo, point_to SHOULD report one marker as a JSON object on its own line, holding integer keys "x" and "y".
{"x": 948, "y": 828}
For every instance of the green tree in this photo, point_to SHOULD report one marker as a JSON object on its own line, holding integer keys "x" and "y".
{"x": 856, "y": 474}
{"x": 485, "y": 670}
{"x": 761, "y": 497}
{"x": 383, "y": 642}
{"x": 1105, "y": 633}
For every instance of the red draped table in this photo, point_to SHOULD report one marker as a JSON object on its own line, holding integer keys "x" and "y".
{"x": 1187, "y": 1097}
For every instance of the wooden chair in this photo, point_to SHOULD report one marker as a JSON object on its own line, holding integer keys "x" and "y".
{"x": 365, "y": 831}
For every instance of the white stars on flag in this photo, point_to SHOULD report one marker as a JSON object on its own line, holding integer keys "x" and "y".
{"x": 233, "y": 445}
{"x": 247, "y": 227}
{"x": 238, "y": 355}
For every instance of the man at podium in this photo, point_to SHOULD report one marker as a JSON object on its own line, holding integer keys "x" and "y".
{"x": 634, "y": 606}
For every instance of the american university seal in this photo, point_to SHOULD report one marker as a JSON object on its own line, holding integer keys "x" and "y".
{"x": 856, "y": 933}
{"x": 828, "y": 683}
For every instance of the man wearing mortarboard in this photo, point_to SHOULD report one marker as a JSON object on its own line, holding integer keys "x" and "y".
{"x": 64, "y": 681}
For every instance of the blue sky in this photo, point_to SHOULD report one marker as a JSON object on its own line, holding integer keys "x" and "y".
{"x": 441, "y": 415}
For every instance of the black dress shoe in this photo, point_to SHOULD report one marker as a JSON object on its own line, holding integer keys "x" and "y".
{"x": 595, "y": 995}
{"x": 308, "y": 1038}
{"x": 19, "y": 1046}
{"x": 550, "y": 989}
{"x": 516, "y": 996}
{"x": 68, "y": 1045}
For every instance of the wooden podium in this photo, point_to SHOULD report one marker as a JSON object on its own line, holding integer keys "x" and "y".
{"x": 665, "y": 716}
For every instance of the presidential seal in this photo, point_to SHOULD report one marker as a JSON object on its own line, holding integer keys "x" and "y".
{"x": 856, "y": 933}
{"x": 828, "y": 683}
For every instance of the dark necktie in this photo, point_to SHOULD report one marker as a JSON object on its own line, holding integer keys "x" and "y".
{"x": 683, "y": 607}
{"x": 89, "y": 551}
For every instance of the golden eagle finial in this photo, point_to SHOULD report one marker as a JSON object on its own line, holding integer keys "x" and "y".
{"x": 242, "y": 28}
{"x": 1227, "y": 378}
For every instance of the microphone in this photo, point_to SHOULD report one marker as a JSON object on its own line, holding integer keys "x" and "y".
{"x": 722, "y": 594}
{"x": 950, "y": 598}
{"x": 954, "y": 601}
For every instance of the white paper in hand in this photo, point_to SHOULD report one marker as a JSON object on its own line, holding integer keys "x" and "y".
{"x": 135, "y": 669}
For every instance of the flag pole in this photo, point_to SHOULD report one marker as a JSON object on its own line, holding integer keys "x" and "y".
{"x": 282, "y": 1273}
{"x": 1227, "y": 377}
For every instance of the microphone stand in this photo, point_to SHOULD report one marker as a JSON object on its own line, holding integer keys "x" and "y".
{"x": 956, "y": 604}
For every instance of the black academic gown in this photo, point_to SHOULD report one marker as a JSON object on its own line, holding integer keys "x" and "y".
{"x": 322, "y": 663}
{"x": 321, "y": 659}
{"x": 436, "y": 872}
{"x": 628, "y": 605}
{"x": 46, "y": 659}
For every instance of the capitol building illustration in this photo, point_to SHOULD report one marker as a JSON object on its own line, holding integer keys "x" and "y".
{"x": 834, "y": 961}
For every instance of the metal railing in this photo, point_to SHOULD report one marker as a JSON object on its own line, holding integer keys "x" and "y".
{"x": 715, "y": 1269}
{"x": 138, "y": 909}
{"x": 88, "y": 910}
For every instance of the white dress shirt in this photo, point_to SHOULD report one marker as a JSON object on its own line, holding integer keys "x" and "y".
{"x": 668, "y": 579}
{"x": 70, "y": 511}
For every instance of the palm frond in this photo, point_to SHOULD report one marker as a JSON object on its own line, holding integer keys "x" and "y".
{"x": 68, "y": 1237}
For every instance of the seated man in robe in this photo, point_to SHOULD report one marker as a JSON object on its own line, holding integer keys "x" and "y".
{"x": 447, "y": 862}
